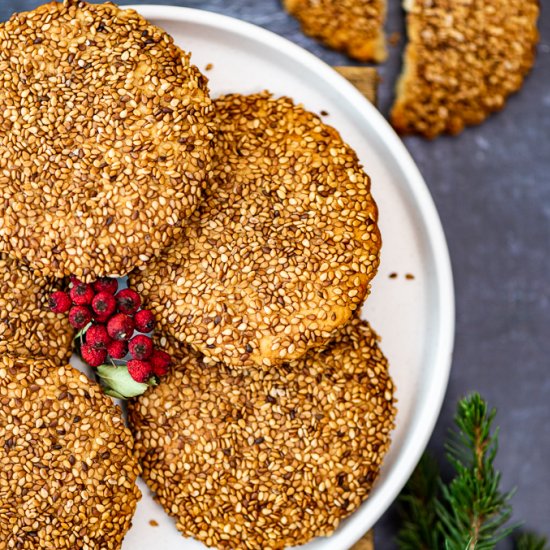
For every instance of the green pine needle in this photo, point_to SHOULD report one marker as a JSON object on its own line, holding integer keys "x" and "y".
{"x": 531, "y": 541}
{"x": 417, "y": 508}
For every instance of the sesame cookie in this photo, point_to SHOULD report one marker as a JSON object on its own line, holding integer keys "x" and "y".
{"x": 462, "y": 61}
{"x": 267, "y": 459}
{"x": 281, "y": 252}
{"x": 27, "y": 325}
{"x": 355, "y": 27}
{"x": 104, "y": 139}
{"x": 67, "y": 468}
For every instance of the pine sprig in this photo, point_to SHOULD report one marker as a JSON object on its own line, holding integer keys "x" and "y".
{"x": 531, "y": 541}
{"x": 470, "y": 512}
{"x": 417, "y": 508}
{"x": 473, "y": 512}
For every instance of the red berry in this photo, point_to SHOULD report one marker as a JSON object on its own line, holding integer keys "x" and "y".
{"x": 106, "y": 284}
{"x": 101, "y": 319}
{"x": 104, "y": 304}
{"x": 97, "y": 337}
{"x": 117, "y": 349}
{"x": 79, "y": 316}
{"x": 141, "y": 347}
{"x": 145, "y": 320}
{"x": 160, "y": 361}
{"x": 93, "y": 356}
{"x": 81, "y": 294}
{"x": 140, "y": 371}
{"x": 128, "y": 301}
{"x": 120, "y": 327}
{"x": 60, "y": 302}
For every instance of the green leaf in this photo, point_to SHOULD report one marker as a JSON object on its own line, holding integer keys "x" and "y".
{"x": 117, "y": 380}
{"x": 113, "y": 393}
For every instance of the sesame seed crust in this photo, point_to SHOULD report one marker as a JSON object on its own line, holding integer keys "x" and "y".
{"x": 67, "y": 465}
{"x": 27, "y": 326}
{"x": 355, "y": 27}
{"x": 267, "y": 459}
{"x": 105, "y": 139}
{"x": 281, "y": 251}
{"x": 462, "y": 61}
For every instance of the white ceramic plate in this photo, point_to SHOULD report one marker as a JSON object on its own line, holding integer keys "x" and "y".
{"x": 415, "y": 317}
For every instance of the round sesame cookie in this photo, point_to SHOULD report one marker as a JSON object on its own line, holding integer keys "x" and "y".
{"x": 281, "y": 252}
{"x": 67, "y": 465}
{"x": 462, "y": 62}
{"x": 105, "y": 139}
{"x": 27, "y": 325}
{"x": 267, "y": 459}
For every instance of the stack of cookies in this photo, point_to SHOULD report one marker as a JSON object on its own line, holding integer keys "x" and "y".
{"x": 249, "y": 229}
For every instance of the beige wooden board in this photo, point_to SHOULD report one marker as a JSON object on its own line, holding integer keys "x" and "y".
{"x": 366, "y": 543}
{"x": 365, "y": 79}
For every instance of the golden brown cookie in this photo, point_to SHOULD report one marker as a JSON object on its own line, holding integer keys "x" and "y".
{"x": 27, "y": 326}
{"x": 282, "y": 250}
{"x": 104, "y": 139}
{"x": 267, "y": 459}
{"x": 67, "y": 465}
{"x": 462, "y": 61}
{"x": 355, "y": 27}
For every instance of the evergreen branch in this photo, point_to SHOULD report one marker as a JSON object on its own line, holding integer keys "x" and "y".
{"x": 417, "y": 508}
{"x": 472, "y": 512}
{"x": 531, "y": 541}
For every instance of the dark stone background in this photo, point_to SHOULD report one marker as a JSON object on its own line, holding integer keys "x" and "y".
{"x": 492, "y": 188}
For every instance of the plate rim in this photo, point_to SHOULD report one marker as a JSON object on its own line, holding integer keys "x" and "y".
{"x": 428, "y": 411}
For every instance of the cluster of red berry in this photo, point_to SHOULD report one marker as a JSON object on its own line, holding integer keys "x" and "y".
{"x": 110, "y": 318}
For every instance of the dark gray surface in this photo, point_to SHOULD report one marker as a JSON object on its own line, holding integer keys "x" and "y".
{"x": 492, "y": 188}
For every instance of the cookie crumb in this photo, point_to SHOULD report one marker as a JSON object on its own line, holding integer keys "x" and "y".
{"x": 394, "y": 38}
